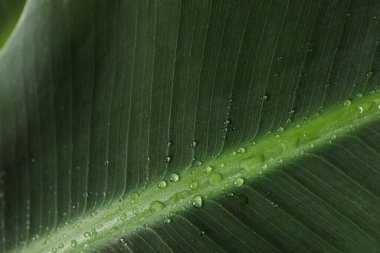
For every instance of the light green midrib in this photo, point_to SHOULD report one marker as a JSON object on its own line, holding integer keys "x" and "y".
{"x": 247, "y": 162}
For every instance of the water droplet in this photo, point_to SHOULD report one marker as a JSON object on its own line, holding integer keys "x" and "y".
{"x": 238, "y": 181}
{"x": 264, "y": 98}
{"x": 167, "y": 221}
{"x": 74, "y": 243}
{"x": 157, "y": 205}
{"x": 123, "y": 217}
{"x": 241, "y": 150}
{"x": 174, "y": 177}
{"x": 197, "y": 201}
{"x": 87, "y": 234}
{"x": 169, "y": 144}
{"x": 193, "y": 144}
{"x": 194, "y": 185}
{"x": 233, "y": 153}
{"x": 201, "y": 233}
{"x": 216, "y": 177}
{"x": 162, "y": 184}
{"x": 347, "y": 102}
{"x": 135, "y": 211}
{"x": 198, "y": 163}
{"x": 106, "y": 163}
{"x": 135, "y": 195}
{"x": 276, "y": 75}
{"x": 208, "y": 169}
{"x": 264, "y": 166}
{"x": 279, "y": 58}
{"x": 167, "y": 159}
{"x": 230, "y": 194}
{"x": 361, "y": 109}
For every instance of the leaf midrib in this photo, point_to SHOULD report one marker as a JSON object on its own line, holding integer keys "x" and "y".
{"x": 247, "y": 162}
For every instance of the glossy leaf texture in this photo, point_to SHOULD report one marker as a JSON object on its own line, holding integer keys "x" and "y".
{"x": 103, "y": 99}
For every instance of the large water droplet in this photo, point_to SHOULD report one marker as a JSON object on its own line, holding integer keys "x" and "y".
{"x": 197, "y": 201}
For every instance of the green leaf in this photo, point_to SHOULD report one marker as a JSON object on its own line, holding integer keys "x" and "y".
{"x": 9, "y": 14}
{"x": 191, "y": 126}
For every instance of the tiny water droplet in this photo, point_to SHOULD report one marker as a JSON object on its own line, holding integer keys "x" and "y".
{"x": 197, "y": 201}
{"x": 174, "y": 177}
{"x": 208, "y": 169}
{"x": 216, "y": 177}
{"x": 369, "y": 73}
{"x": 162, "y": 184}
{"x": 169, "y": 144}
{"x": 233, "y": 153}
{"x": 106, "y": 163}
{"x": 279, "y": 58}
{"x": 198, "y": 163}
{"x": 276, "y": 75}
{"x": 193, "y": 144}
{"x": 238, "y": 181}
{"x": 201, "y": 233}
{"x": 167, "y": 221}
{"x": 194, "y": 185}
{"x": 74, "y": 243}
{"x": 241, "y": 150}
{"x": 135, "y": 195}
{"x": 135, "y": 211}
{"x": 264, "y": 166}
{"x": 167, "y": 159}
{"x": 347, "y": 102}
{"x": 281, "y": 129}
{"x": 264, "y": 98}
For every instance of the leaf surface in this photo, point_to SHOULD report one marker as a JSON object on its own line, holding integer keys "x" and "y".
{"x": 267, "y": 111}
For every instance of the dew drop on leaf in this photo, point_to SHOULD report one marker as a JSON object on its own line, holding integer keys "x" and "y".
{"x": 194, "y": 185}
{"x": 347, "y": 102}
{"x": 162, "y": 184}
{"x": 238, "y": 181}
{"x": 74, "y": 243}
{"x": 167, "y": 221}
{"x": 135, "y": 211}
{"x": 174, "y": 177}
{"x": 208, "y": 169}
{"x": 157, "y": 205}
{"x": 197, "y": 201}
{"x": 241, "y": 150}
{"x": 216, "y": 177}
{"x": 167, "y": 159}
{"x": 135, "y": 195}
